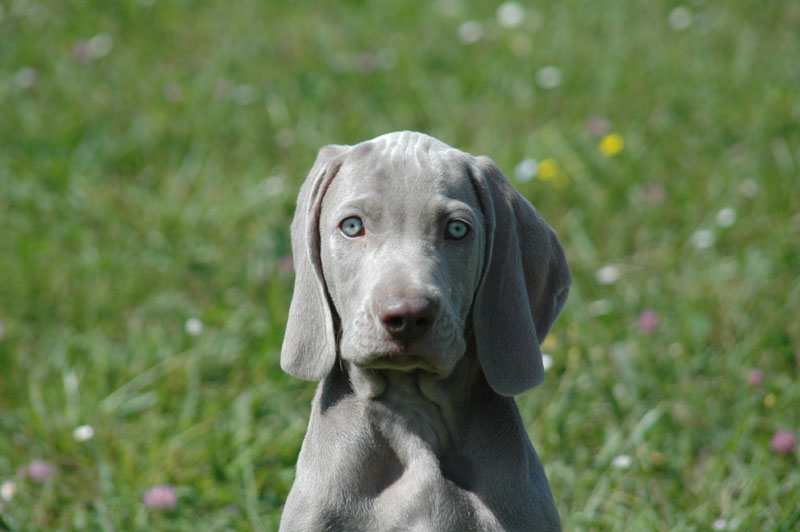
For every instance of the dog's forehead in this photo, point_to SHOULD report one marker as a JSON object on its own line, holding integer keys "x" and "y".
{"x": 407, "y": 160}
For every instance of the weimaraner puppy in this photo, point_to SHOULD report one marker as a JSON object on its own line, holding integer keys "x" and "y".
{"x": 424, "y": 284}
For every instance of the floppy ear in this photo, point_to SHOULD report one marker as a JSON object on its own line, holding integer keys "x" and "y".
{"x": 523, "y": 288}
{"x": 309, "y": 344}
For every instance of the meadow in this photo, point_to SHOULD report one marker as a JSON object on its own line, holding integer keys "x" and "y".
{"x": 150, "y": 156}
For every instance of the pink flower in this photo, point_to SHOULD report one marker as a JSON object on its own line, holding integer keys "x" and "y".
{"x": 654, "y": 194}
{"x": 755, "y": 377}
{"x": 162, "y": 497}
{"x": 366, "y": 62}
{"x": 782, "y": 442}
{"x": 39, "y": 470}
{"x": 286, "y": 264}
{"x": 648, "y": 321}
{"x": 597, "y": 126}
{"x": 82, "y": 52}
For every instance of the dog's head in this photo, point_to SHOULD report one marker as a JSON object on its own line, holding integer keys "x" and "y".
{"x": 402, "y": 247}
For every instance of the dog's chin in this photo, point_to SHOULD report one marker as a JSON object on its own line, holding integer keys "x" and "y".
{"x": 402, "y": 362}
{"x": 405, "y": 359}
{"x": 389, "y": 354}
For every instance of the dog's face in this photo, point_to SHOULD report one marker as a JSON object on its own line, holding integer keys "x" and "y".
{"x": 403, "y": 246}
{"x": 402, "y": 239}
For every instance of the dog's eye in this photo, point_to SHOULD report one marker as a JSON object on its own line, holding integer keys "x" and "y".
{"x": 352, "y": 226}
{"x": 456, "y": 229}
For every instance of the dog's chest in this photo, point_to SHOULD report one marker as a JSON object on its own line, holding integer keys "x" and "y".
{"x": 406, "y": 488}
{"x": 423, "y": 500}
{"x": 426, "y": 490}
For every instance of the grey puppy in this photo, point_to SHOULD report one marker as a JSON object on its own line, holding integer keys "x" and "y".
{"x": 424, "y": 283}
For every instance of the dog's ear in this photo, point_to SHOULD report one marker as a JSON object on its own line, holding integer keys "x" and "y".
{"x": 309, "y": 344}
{"x": 524, "y": 284}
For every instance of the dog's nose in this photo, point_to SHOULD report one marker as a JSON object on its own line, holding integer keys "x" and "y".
{"x": 407, "y": 318}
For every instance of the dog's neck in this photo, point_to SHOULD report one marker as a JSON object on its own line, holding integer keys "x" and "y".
{"x": 435, "y": 408}
{"x": 418, "y": 429}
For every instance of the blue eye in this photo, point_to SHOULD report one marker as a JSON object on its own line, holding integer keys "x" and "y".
{"x": 456, "y": 230}
{"x": 352, "y": 226}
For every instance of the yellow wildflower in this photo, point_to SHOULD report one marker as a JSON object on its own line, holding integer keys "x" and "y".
{"x": 612, "y": 144}
{"x": 548, "y": 169}
{"x": 769, "y": 400}
{"x": 550, "y": 343}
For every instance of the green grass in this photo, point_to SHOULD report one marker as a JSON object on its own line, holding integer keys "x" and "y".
{"x": 155, "y": 183}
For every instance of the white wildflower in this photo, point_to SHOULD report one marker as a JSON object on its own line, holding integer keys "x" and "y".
{"x": 526, "y": 170}
{"x": 726, "y": 217}
{"x": 622, "y": 461}
{"x": 680, "y": 18}
{"x": 7, "y": 490}
{"x": 83, "y": 433}
{"x": 100, "y": 45}
{"x": 470, "y": 32}
{"x": 510, "y": 14}
{"x": 194, "y": 327}
{"x": 703, "y": 238}
{"x": 607, "y": 275}
{"x": 549, "y": 77}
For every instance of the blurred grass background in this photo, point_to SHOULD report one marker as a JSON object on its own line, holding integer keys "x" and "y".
{"x": 150, "y": 155}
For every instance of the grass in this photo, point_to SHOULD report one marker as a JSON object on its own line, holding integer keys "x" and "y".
{"x": 150, "y": 154}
